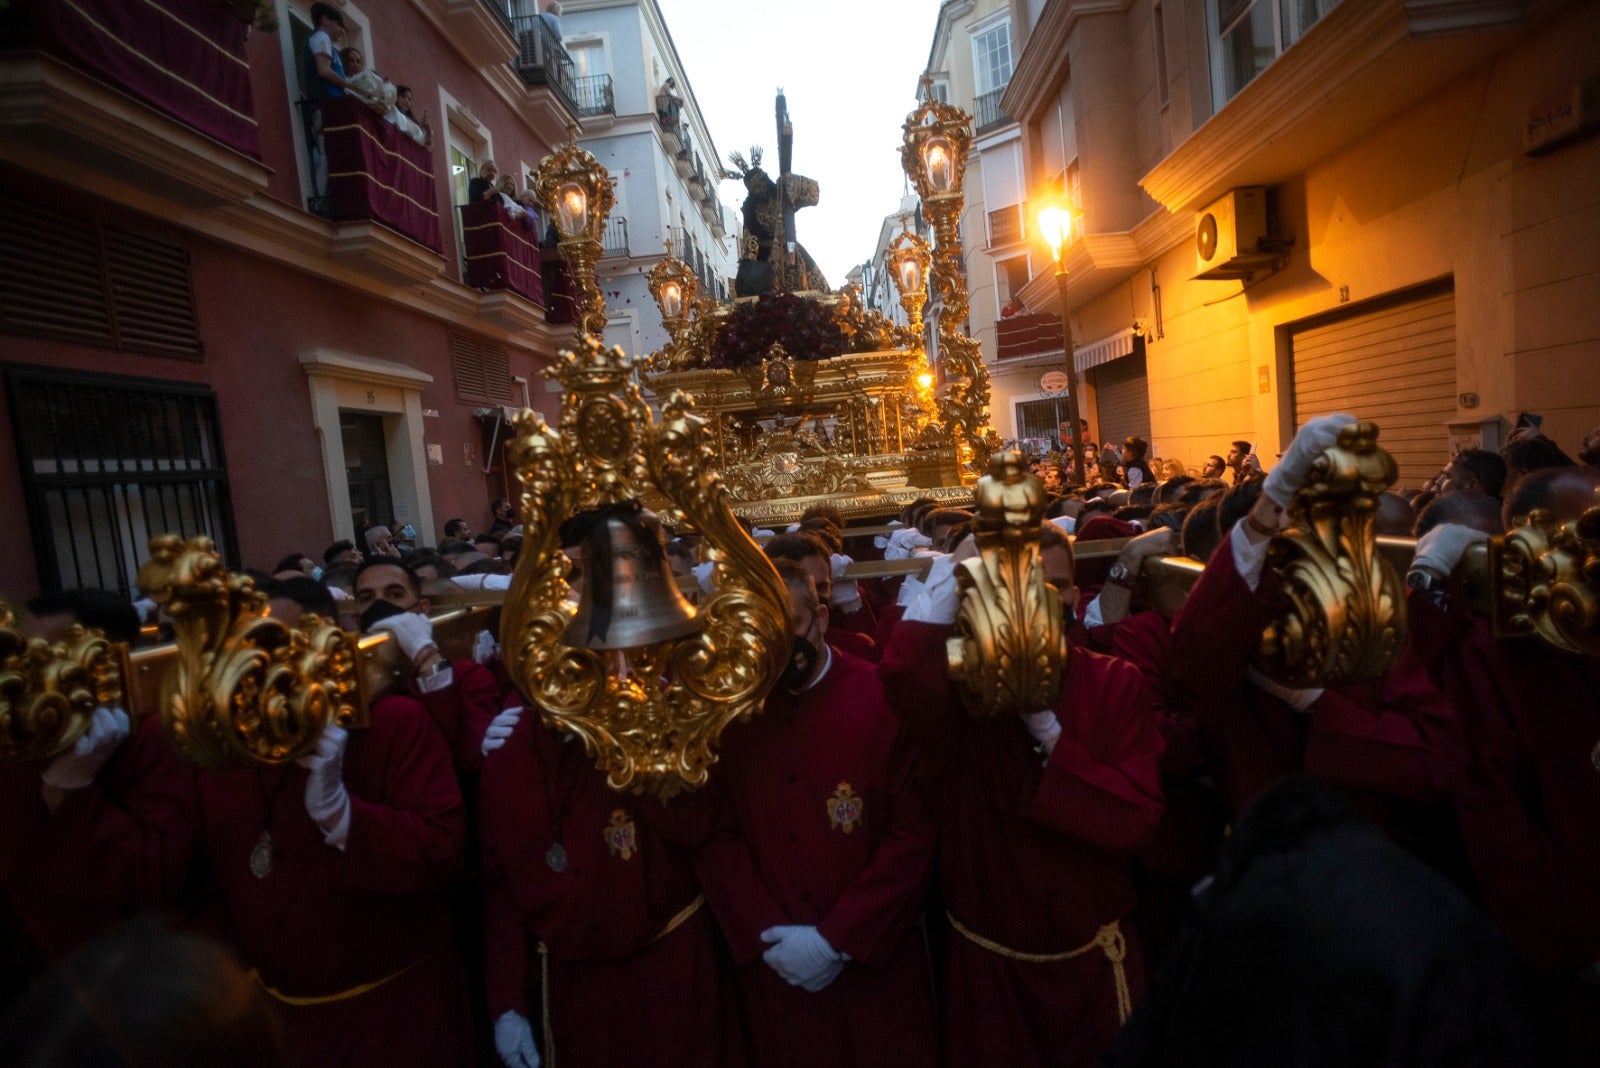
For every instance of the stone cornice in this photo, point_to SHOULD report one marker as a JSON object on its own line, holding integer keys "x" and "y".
{"x": 348, "y": 366}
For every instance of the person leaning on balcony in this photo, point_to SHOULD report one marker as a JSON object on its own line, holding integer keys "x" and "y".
{"x": 552, "y": 17}
{"x": 323, "y": 46}
{"x": 483, "y": 187}
{"x": 419, "y": 130}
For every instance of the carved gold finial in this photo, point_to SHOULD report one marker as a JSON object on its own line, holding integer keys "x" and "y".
{"x": 652, "y": 715}
{"x": 49, "y": 690}
{"x": 247, "y": 687}
{"x": 1010, "y": 642}
{"x": 1545, "y": 576}
{"x": 1348, "y": 616}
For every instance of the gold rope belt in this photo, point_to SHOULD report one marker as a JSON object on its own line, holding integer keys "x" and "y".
{"x": 544, "y": 972}
{"x": 343, "y": 995}
{"x": 1108, "y": 939}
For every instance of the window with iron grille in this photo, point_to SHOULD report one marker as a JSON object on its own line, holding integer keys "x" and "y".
{"x": 68, "y": 278}
{"x": 482, "y": 370}
{"x": 107, "y": 463}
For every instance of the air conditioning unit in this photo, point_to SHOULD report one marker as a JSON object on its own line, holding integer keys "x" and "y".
{"x": 1230, "y": 237}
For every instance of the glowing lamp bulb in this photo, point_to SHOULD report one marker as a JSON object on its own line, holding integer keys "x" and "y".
{"x": 938, "y": 159}
{"x": 925, "y": 380}
{"x": 572, "y": 204}
{"x": 910, "y": 275}
{"x": 671, "y": 300}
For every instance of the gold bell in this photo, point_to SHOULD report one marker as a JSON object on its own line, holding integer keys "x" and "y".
{"x": 627, "y": 594}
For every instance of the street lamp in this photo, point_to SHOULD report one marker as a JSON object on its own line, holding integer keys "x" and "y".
{"x": 1057, "y": 225}
{"x": 575, "y": 190}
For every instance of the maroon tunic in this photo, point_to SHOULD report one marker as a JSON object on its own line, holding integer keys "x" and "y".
{"x": 1035, "y": 852}
{"x": 828, "y": 831}
{"x": 1396, "y": 737}
{"x": 623, "y": 989}
{"x": 463, "y": 710}
{"x": 1529, "y": 804}
{"x": 119, "y": 846}
{"x": 325, "y": 921}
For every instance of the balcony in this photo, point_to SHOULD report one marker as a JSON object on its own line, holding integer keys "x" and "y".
{"x": 480, "y": 29}
{"x": 561, "y": 306}
{"x": 1007, "y": 225}
{"x": 614, "y": 242}
{"x": 594, "y": 96}
{"x": 990, "y": 116}
{"x": 97, "y": 89}
{"x": 503, "y": 261}
{"x": 1360, "y": 64}
{"x": 380, "y": 188}
{"x": 1022, "y": 336}
{"x": 542, "y": 61}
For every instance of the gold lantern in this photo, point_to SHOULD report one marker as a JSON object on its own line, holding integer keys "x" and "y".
{"x": 937, "y": 141}
{"x": 575, "y": 191}
{"x": 674, "y": 286}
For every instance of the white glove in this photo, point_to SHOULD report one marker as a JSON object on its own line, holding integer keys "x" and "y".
{"x": 904, "y": 543}
{"x": 1316, "y": 437}
{"x": 802, "y": 956}
{"x": 413, "y": 630}
{"x": 77, "y": 767}
{"x": 482, "y": 582}
{"x": 702, "y": 575}
{"x": 846, "y": 592}
{"x": 1044, "y": 727}
{"x": 940, "y": 597}
{"x": 485, "y": 648}
{"x": 1299, "y": 700}
{"x": 1441, "y": 549}
{"x": 882, "y": 540}
{"x": 910, "y": 590}
{"x": 327, "y": 801}
{"x": 513, "y": 1040}
{"x": 500, "y": 728}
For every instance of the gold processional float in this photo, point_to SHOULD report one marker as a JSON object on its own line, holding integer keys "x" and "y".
{"x": 754, "y": 431}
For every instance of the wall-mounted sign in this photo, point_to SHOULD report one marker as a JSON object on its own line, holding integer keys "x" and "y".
{"x": 1054, "y": 382}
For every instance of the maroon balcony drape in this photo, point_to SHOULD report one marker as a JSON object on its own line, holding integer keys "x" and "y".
{"x": 502, "y": 252}
{"x": 561, "y": 305}
{"x": 1027, "y": 335}
{"x": 376, "y": 172}
{"x": 185, "y": 58}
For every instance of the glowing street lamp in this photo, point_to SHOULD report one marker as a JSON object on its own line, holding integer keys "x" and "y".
{"x": 1058, "y": 224}
{"x": 575, "y": 191}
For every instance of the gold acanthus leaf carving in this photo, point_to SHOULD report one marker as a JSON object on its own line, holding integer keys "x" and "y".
{"x": 652, "y": 716}
{"x": 247, "y": 688}
{"x": 49, "y": 690}
{"x": 1010, "y": 642}
{"x": 1545, "y": 577}
{"x": 1347, "y": 617}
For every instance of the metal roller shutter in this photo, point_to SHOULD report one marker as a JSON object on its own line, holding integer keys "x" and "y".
{"x": 1122, "y": 399}
{"x": 1394, "y": 364}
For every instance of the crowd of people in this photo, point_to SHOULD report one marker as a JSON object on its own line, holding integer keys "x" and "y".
{"x": 338, "y": 69}
{"x": 1180, "y": 861}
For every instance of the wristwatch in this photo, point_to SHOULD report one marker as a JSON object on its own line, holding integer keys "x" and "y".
{"x": 1119, "y": 575}
{"x": 1428, "y": 585}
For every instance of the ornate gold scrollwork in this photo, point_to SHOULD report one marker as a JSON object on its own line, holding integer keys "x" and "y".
{"x": 1010, "y": 642}
{"x": 1545, "y": 577}
{"x": 1347, "y": 619}
{"x": 246, "y": 687}
{"x": 651, "y": 715}
{"x": 49, "y": 690}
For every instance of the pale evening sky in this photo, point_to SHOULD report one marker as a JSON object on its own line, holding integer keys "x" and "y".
{"x": 849, "y": 69}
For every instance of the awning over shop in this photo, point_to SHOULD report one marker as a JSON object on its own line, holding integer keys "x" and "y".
{"x": 1122, "y": 343}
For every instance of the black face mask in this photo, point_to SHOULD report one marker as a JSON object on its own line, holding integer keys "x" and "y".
{"x": 378, "y": 611}
{"x": 803, "y": 656}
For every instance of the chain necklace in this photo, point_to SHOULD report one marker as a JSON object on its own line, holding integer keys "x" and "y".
{"x": 556, "y": 856}
{"x": 261, "y": 855}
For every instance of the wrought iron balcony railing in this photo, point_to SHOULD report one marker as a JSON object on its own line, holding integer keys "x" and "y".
{"x": 542, "y": 61}
{"x": 614, "y": 242}
{"x": 594, "y": 95}
{"x": 989, "y": 116}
